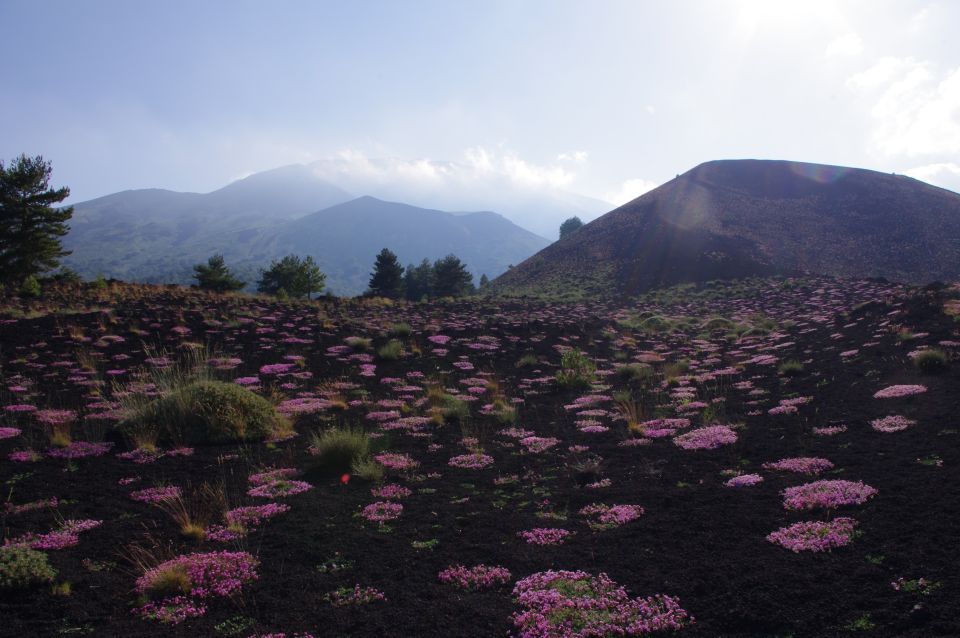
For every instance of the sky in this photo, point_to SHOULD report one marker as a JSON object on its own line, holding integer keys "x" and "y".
{"x": 602, "y": 98}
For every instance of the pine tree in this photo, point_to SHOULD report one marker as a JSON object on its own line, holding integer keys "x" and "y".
{"x": 215, "y": 276}
{"x": 418, "y": 281}
{"x": 569, "y": 226}
{"x": 30, "y": 226}
{"x": 484, "y": 281}
{"x": 386, "y": 280}
{"x": 293, "y": 276}
{"x": 451, "y": 278}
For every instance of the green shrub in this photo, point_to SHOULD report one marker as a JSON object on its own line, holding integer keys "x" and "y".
{"x": 401, "y": 330}
{"x": 22, "y": 568}
{"x": 205, "y": 412}
{"x": 336, "y": 450}
{"x": 30, "y": 287}
{"x": 528, "y": 361}
{"x": 931, "y": 361}
{"x": 635, "y": 372}
{"x": 392, "y": 351}
{"x": 576, "y": 370}
{"x": 368, "y": 469}
{"x": 360, "y": 344}
{"x": 455, "y": 409}
{"x": 790, "y": 368}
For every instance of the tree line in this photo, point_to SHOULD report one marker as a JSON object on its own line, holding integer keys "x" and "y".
{"x": 31, "y": 228}
{"x": 296, "y": 277}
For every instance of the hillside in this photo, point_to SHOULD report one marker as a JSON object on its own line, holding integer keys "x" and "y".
{"x": 157, "y": 236}
{"x": 345, "y": 239}
{"x": 736, "y": 218}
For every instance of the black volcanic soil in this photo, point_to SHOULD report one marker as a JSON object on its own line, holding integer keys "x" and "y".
{"x": 698, "y": 540}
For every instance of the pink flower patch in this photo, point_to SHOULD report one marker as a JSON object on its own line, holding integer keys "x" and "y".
{"x": 815, "y": 536}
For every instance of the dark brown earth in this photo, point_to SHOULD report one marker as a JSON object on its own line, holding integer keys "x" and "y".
{"x": 698, "y": 540}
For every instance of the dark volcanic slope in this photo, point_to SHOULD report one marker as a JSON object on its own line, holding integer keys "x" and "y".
{"x": 734, "y": 218}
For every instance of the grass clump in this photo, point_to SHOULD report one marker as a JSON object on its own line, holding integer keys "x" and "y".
{"x": 931, "y": 361}
{"x": 790, "y": 368}
{"x": 337, "y": 450}
{"x": 401, "y": 330}
{"x": 205, "y": 412}
{"x": 368, "y": 470}
{"x": 528, "y": 360}
{"x": 392, "y": 351}
{"x": 168, "y": 581}
{"x": 577, "y": 371}
{"x": 359, "y": 344}
{"x": 639, "y": 372}
{"x": 23, "y": 568}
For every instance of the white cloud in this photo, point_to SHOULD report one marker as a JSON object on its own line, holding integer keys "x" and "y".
{"x": 578, "y": 157}
{"x": 916, "y": 111}
{"x": 848, "y": 44}
{"x": 629, "y": 190}
{"x": 943, "y": 174}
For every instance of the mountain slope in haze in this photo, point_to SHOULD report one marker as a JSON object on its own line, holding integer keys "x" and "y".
{"x": 133, "y": 234}
{"x": 737, "y": 218}
{"x": 343, "y": 239}
{"x": 461, "y": 186}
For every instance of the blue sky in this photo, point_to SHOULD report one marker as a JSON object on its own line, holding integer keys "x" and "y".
{"x": 603, "y": 98}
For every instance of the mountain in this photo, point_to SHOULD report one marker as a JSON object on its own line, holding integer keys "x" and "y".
{"x": 345, "y": 239}
{"x": 156, "y": 236}
{"x": 736, "y": 218}
{"x": 482, "y": 183}
{"x": 145, "y": 235}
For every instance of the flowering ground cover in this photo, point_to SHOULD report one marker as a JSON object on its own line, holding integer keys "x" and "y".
{"x": 750, "y": 459}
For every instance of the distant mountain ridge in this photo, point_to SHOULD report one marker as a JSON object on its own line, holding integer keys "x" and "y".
{"x": 156, "y": 236}
{"x": 736, "y": 218}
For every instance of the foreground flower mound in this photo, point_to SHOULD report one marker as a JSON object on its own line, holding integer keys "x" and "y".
{"x": 575, "y": 604}
{"x": 475, "y": 578}
{"x": 708, "y": 438}
{"x": 802, "y": 465}
{"x": 898, "y": 391}
{"x": 545, "y": 536}
{"x": 601, "y": 516}
{"x": 892, "y": 423}
{"x": 178, "y": 585}
{"x": 815, "y": 536}
{"x": 827, "y": 494}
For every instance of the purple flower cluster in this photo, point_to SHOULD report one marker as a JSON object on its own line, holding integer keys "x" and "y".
{"x": 827, "y": 494}
{"x": 471, "y": 461}
{"x": 80, "y": 449}
{"x": 538, "y": 444}
{"x": 156, "y": 494}
{"x": 744, "y": 480}
{"x": 391, "y": 491}
{"x": 356, "y": 596}
{"x": 479, "y": 577}
{"x": 55, "y": 417}
{"x": 212, "y": 574}
{"x": 9, "y": 433}
{"x": 815, "y": 536}
{"x": 382, "y": 511}
{"x": 892, "y": 423}
{"x": 251, "y": 516}
{"x": 707, "y": 438}
{"x": 67, "y": 536}
{"x": 801, "y": 464}
{"x": 897, "y": 391}
{"x": 396, "y": 461}
{"x": 602, "y": 516}
{"x": 545, "y": 536}
{"x": 567, "y": 604}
